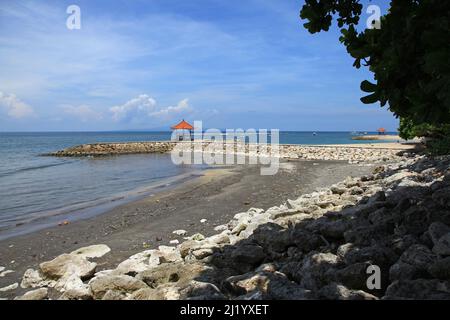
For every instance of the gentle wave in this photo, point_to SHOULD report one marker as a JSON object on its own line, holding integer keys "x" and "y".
{"x": 16, "y": 171}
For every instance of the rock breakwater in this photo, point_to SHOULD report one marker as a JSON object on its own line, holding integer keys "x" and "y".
{"x": 351, "y": 153}
{"x": 105, "y": 149}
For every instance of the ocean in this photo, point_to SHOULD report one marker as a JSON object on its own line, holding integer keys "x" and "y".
{"x": 38, "y": 191}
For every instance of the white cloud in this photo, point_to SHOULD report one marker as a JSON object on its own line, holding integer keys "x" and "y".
{"x": 82, "y": 112}
{"x": 14, "y": 107}
{"x": 168, "y": 112}
{"x": 143, "y": 105}
{"x": 145, "y": 108}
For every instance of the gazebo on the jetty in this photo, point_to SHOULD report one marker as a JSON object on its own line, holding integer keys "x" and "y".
{"x": 381, "y": 131}
{"x": 183, "y": 131}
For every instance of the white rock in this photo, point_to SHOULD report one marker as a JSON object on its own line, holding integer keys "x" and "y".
{"x": 10, "y": 287}
{"x": 66, "y": 264}
{"x": 33, "y": 279}
{"x": 180, "y": 232}
{"x": 221, "y": 227}
{"x": 398, "y": 176}
{"x": 197, "y": 237}
{"x": 175, "y": 241}
{"x": 104, "y": 273}
{"x": 94, "y": 251}
{"x": 70, "y": 282}
{"x": 38, "y": 294}
{"x": 138, "y": 263}
{"x": 221, "y": 238}
{"x": 6, "y": 272}
{"x": 203, "y": 220}
{"x": 169, "y": 254}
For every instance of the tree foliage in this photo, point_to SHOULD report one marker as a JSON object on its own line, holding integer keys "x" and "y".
{"x": 409, "y": 55}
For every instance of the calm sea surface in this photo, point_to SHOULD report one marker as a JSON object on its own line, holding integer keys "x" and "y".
{"x": 37, "y": 191}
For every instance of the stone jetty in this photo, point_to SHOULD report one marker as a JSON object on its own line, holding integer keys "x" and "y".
{"x": 351, "y": 153}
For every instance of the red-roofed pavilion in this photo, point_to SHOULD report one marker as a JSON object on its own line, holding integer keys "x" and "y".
{"x": 381, "y": 131}
{"x": 182, "y": 126}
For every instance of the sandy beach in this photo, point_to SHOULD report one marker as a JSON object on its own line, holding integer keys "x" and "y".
{"x": 145, "y": 224}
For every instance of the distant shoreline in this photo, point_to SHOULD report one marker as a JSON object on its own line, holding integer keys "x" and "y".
{"x": 378, "y": 137}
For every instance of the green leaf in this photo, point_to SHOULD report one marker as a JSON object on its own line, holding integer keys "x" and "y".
{"x": 367, "y": 86}
{"x": 370, "y": 99}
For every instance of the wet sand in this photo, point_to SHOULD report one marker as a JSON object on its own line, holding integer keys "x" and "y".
{"x": 130, "y": 228}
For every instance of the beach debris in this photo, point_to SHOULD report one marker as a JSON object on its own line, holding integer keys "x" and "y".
{"x": 37, "y": 294}
{"x": 94, "y": 251}
{"x": 180, "y": 232}
{"x": 63, "y": 223}
{"x": 10, "y": 287}
{"x": 203, "y": 220}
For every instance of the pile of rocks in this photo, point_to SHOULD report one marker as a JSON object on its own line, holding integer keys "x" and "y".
{"x": 104, "y": 149}
{"x": 394, "y": 223}
{"x": 351, "y": 154}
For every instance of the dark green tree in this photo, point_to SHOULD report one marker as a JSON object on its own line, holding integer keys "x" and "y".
{"x": 409, "y": 55}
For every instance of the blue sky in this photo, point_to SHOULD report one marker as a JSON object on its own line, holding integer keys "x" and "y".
{"x": 147, "y": 64}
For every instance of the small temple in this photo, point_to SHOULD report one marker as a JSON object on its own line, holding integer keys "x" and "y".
{"x": 381, "y": 131}
{"x": 183, "y": 131}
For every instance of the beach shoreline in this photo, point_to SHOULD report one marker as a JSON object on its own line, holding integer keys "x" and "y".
{"x": 149, "y": 222}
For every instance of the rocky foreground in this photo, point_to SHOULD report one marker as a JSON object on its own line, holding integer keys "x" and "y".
{"x": 322, "y": 245}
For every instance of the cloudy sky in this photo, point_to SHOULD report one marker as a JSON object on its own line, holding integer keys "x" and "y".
{"x": 147, "y": 64}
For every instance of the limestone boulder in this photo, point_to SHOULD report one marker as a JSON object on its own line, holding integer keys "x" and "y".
{"x": 121, "y": 283}
{"x": 38, "y": 294}
{"x": 94, "y": 251}
{"x": 68, "y": 264}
